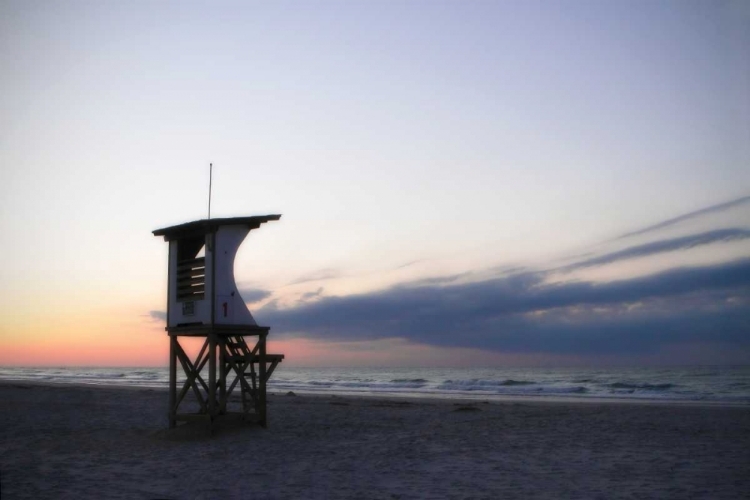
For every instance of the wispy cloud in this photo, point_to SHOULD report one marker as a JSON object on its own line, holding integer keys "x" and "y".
{"x": 251, "y": 295}
{"x": 320, "y": 275}
{"x": 690, "y": 215}
{"x": 523, "y": 313}
{"x": 311, "y": 295}
{"x": 662, "y": 246}
{"x": 158, "y": 315}
{"x": 507, "y": 269}
{"x": 410, "y": 263}
{"x": 437, "y": 280}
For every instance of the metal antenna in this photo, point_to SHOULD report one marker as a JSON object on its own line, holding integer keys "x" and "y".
{"x": 210, "y": 178}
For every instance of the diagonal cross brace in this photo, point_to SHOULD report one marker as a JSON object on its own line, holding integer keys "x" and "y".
{"x": 193, "y": 375}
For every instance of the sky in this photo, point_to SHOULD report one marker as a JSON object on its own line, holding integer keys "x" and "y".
{"x": 511, "y": 183}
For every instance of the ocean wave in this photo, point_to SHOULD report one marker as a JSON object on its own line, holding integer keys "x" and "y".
{"x": 705, "y": 374}
{"x": 382, "y": 385}
{"x": 321, "y": 386}
{"x": 143, "y": 374}
{"x": 517, "y": 382}
{"x": 564, "y": 390}
{"x": 726, "y": 384}
{"x": 483, "y": 383}
{"x": 645, "y": 386}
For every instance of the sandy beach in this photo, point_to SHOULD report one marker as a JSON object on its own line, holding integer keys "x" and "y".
{"x": 92, "y": 442}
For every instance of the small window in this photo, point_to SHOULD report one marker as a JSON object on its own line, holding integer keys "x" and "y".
{"x": 191, "y": 269}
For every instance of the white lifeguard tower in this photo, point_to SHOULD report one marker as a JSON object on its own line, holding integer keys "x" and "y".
{"x": 203, "y": 301}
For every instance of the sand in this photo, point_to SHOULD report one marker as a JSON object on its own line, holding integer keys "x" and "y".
{"x": 88, "y": 442}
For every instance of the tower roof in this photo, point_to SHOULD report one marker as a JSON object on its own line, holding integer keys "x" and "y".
{"x": 204, "y": 226}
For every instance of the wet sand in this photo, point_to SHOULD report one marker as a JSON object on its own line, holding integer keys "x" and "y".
{"x": 92, "y": 442}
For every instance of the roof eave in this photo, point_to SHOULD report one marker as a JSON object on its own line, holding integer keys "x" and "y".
{"x": 205, "y": 226}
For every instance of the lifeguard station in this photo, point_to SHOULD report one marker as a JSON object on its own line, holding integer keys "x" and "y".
{"x": 203, "y": 301}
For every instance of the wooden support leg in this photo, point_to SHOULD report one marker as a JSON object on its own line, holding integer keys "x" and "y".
{"x": 172, "y": 381}
{"x": 212, "y": 409}
{"x": 222, "y": 377}
{"x": 262, "y": 381}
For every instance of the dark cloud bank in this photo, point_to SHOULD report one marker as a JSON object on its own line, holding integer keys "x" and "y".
{"x": 521, "y": 313}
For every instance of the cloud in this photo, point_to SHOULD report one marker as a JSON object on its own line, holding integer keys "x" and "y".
{"x": 522, "y": 313}
{"x": 250, "y": 295}
{"x": 158, "y": 315}
{"x": 320, "y": 275}
{"x": 508, "y": 269}
{"x": 438, "y": 280}
{"x": 311, "y": 295}
{"x": 410, "y": 263}
{"x": 669, "y": 245}
{"x": 690, "y": 215}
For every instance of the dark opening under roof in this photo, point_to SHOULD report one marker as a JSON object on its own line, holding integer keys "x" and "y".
{"x": 204, "y": 226}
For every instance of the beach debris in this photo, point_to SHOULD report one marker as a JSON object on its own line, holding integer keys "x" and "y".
{"x": 392, "y": 404}
{"x": 467, "y": 408}
{"x": 290, "y": 393}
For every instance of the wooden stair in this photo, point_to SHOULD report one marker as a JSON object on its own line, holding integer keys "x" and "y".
{"x": 246, "y": 363}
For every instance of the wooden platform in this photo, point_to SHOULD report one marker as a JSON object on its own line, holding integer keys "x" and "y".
{"x": 232, "y": 362}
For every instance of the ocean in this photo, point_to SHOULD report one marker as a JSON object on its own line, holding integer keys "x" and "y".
{"x": 716, "y": 384}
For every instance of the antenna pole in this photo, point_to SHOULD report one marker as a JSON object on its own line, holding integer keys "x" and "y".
{"x": 210, "y": 178}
